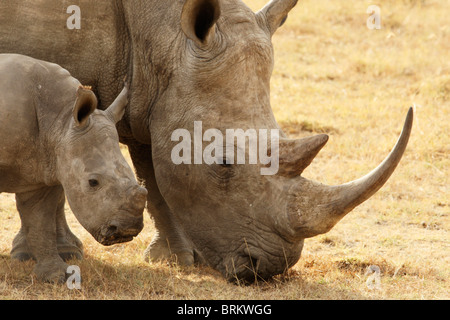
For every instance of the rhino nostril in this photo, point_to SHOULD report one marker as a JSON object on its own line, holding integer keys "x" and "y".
{"x": 254, "y": 263}
{"x": 112, "y": 229}
{"x": 109, "y": 231}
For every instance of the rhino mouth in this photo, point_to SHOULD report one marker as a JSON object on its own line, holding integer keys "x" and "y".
{"x": 110, "y": 242}
{"x": 114, "y": 240}
{"x": 113, "y": 234}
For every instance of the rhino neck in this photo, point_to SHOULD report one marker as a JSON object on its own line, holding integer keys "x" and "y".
{"x": 154, "y": 45}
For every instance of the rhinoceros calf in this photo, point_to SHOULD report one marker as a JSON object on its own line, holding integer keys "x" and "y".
{"x": 55, "y": 142}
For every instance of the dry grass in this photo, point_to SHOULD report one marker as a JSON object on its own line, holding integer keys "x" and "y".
{"x": 332, "y": 75}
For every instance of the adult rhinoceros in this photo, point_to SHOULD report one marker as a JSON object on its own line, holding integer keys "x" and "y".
{"x": 187, "y": 61}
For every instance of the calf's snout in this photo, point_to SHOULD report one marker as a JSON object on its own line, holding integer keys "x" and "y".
{"x": 118, "y": 231}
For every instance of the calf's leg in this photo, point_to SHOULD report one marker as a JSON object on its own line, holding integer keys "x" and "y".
{"x": 37, "y": 211}
{"x": 69, "y": 246}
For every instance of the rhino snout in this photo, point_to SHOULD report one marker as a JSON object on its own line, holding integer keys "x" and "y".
{"x": 116, "y": 232}
{"x": 128, "y": 221}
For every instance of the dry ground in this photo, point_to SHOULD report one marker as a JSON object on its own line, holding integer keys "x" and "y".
{"x": 332, "y": 75}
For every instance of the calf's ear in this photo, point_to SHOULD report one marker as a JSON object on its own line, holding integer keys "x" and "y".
{"x": 198, "y": 20}
{"x": 85, "y": 105}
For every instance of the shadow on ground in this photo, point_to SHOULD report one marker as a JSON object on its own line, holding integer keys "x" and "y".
{"x": 102, "y": 280}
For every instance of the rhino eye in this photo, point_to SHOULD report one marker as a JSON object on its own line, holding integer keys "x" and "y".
{"x": 93, "y": 183}
{"x": 225, "y": 163}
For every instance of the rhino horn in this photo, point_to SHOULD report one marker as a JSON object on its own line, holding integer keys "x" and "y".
{"x": 316, "y": 208}
{"x": 276, "y": 12}
{"x": 117, "y": 109}
{"x": 296, "y": 155}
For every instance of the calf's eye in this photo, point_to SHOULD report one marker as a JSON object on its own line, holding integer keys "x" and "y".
{"x": 93, "y": 183}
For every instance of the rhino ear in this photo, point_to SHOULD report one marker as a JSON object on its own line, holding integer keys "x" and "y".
{"x": 276, "y": 12}
{"x": 198, "y": 19}
{"x": 85, "y": 105}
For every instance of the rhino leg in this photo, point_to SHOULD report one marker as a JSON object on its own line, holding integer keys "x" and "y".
{"x": 20, "y": 250}
{"x": 169, "y": 242}
{"x": 37, "y": 211}
{"x": 69, "y": 246}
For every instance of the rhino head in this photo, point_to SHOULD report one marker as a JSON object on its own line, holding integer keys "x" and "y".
{"x": 243, "y": 223}
{"x": 101, "y": 188}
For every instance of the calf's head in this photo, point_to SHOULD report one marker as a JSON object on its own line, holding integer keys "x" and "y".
{"x": 99, "y": 184}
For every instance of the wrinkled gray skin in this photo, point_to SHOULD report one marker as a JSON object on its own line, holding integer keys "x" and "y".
{"x": 197, "y": 60}
{"x": 55, "y": 143}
